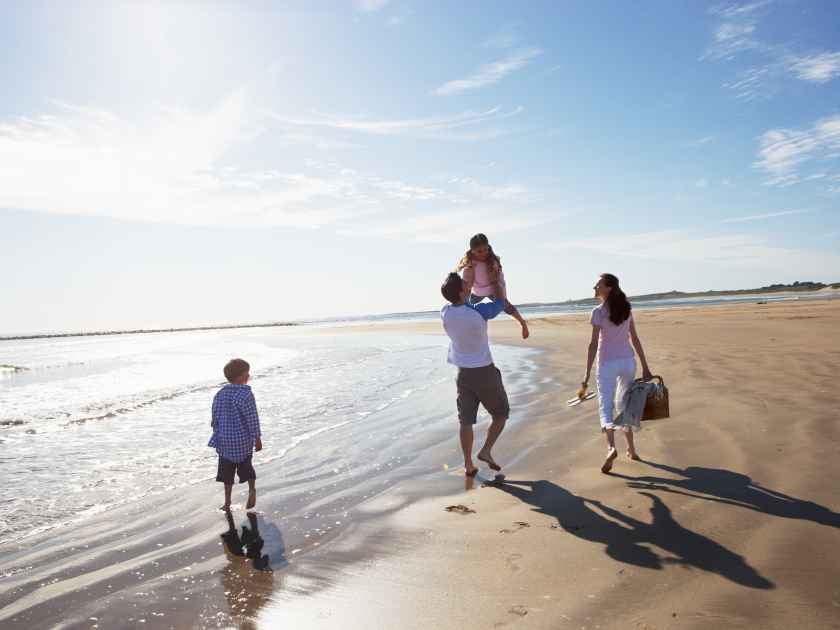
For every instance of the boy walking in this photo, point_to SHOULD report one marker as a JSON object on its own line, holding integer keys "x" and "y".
{"x": 236, "y": 431}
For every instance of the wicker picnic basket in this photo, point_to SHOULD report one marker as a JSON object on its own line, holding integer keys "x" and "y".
{"x": 656, "y": 405}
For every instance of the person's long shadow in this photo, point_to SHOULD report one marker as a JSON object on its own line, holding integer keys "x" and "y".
{"x": 248, "y": 578}
{"x": 731, "y": 488}
{"x": 626, "y": 538}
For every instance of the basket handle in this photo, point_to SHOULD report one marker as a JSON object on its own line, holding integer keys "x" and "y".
{"x": 655, "y": 376}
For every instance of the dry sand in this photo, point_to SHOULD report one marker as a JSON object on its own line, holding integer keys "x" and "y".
{"x": 732, "y": 520}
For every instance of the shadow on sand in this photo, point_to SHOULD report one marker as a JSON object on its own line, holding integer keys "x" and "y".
{"x": 248, "y": 578}
{"x": 626, "y": 539}
{"x": 732, "y": 488}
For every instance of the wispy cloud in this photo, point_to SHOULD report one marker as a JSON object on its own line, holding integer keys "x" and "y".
{"x": 450, "y": 226}
{"x": 699, "y": 142}
{"x": 370, "y": 6}
{"x": 490, "y": 73}
{"x": 429, "y": 126}
{"x": 761, "y": 217}
{"x": 702, "y": 183}
{"x": 730, "y": 251}
{"x": 736, "y": 34}
{"x": 816, "y": 68}
{"x": 782, "y": 152}
{"x": 179, "y": 166}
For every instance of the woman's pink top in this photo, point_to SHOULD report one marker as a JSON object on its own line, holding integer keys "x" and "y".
{"x": 613, "y": 341}
{"x": 478, "y": 275}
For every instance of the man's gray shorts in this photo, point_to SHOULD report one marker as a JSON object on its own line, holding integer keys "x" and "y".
{"x": 481, "y": 385}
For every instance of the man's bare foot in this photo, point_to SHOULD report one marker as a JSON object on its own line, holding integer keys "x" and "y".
{"x": 608, "y": 462}
{"x": 634, "y": 456}
{"x": 488, "y": 459}
{"x": 252, "y": 499}
{"x": 472, "y": 471}
{"x": 225, "y": 507}
{"x": 525, "y": 332}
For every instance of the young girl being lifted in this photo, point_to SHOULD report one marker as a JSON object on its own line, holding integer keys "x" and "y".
{"x": 483, "y": 276}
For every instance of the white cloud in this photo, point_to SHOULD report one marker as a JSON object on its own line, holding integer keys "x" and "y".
{"x": 370, "y": 6}
{"x": 783, "y": 151}
{"x": 761, "y": 217}
{"x": 490, "y": 73}
{"x": 440, "y": 126}
{"x": 816, "y": 68}
{"x": 702, "y": 183}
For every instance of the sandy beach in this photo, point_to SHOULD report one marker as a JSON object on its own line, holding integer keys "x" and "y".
{"x": 732, "y": 519}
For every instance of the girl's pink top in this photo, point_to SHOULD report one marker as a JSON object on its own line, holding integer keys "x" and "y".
{"x": 478, "y": 274}
{"x": 613, "y": 341}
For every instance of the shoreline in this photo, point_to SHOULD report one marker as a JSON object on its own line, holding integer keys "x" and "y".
{"x": 717, "y": 528}
{"x": 645, "y": 302}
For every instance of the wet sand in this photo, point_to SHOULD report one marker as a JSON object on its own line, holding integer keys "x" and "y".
{"x": 732, "y": 520}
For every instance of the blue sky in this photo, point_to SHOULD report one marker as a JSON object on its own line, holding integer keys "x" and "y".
{"x": 186, "y": 162}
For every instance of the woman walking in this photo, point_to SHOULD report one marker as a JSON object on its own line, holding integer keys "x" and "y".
{"x": 613, "y": 331}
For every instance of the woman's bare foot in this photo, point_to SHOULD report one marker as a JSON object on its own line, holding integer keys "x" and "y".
{"x": 634, "y": 456}
{"x": 252, "y": 499}
{"x": 225, "y": 507}
{"x": 608, "y": 462}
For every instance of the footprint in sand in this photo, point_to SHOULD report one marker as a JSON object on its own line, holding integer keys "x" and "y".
{"x": 459, "y": 509}
{"x": 519, "y": 525}
{"x": 519, "y": 611}
{"x": 511, "y": 561}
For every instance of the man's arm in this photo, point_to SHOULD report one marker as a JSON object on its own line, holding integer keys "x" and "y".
{"x": 489, "y": 310}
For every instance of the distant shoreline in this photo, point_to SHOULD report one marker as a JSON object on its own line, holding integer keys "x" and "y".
{"x": 649, "y": 297}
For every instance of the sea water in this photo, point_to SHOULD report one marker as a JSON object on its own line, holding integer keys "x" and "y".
{"x": 88, "y": 423}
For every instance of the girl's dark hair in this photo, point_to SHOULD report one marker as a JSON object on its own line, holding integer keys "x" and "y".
{"x": 494, "y": 263}
{"x": 617, "y": 303}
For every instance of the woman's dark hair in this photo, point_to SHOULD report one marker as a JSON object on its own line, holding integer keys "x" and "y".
{"x": 617, "y": 303}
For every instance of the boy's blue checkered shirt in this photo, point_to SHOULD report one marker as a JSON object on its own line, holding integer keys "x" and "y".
{"x": 236, "y": 424}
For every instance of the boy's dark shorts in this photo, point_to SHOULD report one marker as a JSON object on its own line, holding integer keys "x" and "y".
{"x": 484, "y": 386}
{"x": 245, "y": 469}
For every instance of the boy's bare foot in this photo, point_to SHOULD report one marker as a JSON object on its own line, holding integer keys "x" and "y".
{"x": 225, "y": 507}
{"x": 252, "y": 499}
{"x": 634, "y": 456}
{"x": 608, "y": 462}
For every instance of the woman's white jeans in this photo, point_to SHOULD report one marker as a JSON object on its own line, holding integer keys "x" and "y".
{"x": 614, "y": 378}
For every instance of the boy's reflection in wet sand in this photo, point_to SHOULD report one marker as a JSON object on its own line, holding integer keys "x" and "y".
{"x": 248, "y": 578}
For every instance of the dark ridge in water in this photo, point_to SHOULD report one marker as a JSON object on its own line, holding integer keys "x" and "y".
{"x": 139, "y": 331}
{"x": 13, "y": 368}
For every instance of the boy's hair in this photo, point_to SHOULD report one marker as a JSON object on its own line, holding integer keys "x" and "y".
{"x": 452, "y": 287}
{"x": 236, "y": 368}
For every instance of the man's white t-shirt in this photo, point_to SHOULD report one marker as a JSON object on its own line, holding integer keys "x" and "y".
{"x": 466, "y": 325}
